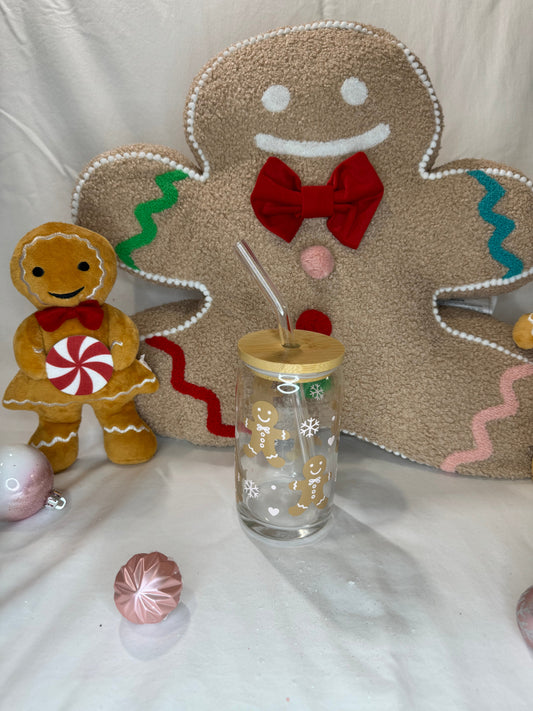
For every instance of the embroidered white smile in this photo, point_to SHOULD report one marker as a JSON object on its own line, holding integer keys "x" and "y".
{"x": 323, "y": 149}
{"x": 276, "y": 98}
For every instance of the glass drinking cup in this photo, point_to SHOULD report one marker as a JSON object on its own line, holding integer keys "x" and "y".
{"x": 288, "y": 405}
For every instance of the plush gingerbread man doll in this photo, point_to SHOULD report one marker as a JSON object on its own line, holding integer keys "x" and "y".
{"x": 312, "y": 487}
{"x": 76, "y": 349}
{"x": 264, "y": 434}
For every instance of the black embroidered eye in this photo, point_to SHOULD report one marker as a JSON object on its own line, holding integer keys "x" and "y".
{"x": 83, "y": 267}
{"x": 37, "y": 271}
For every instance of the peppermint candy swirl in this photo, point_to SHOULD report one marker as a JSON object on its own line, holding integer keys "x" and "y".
{"x": 79, "y": 365}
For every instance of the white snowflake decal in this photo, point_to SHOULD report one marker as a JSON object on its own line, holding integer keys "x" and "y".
{"x": 316, "y": 391}
{"x": 250, "y": 488}
{"x": 309, "y": 427}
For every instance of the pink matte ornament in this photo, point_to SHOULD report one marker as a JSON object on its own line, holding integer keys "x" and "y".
{"x": 524, "y": 616}
{"x": 147, "y": 588}
{"x": 26, "y": 483}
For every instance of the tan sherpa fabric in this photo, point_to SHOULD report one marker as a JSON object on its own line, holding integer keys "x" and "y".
{"x": 441, "y": 386}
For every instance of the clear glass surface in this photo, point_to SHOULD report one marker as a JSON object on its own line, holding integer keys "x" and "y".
{"x": 287, "y": 438}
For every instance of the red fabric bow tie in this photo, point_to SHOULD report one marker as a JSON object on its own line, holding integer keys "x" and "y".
{"x": 349, "y": 199}
{"x": 89, "y": 313}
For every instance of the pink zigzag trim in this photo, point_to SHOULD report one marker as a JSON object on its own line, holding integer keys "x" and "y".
{"x": 483, "y": 448}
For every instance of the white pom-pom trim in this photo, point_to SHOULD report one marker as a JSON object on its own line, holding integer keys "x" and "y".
{"x": 170, "y": 281}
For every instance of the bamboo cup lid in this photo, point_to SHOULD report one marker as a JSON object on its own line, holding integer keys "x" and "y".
{"x": 317, "y": 353}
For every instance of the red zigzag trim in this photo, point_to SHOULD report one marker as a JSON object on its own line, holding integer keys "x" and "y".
{"x": 177, "y": 380}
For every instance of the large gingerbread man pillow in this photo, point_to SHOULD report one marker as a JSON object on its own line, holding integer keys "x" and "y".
{"x": 318, "y": 145}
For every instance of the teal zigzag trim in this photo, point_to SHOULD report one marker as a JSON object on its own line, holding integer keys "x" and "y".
{"x": 144, "y": 211}
{"x": 503, "y": 225}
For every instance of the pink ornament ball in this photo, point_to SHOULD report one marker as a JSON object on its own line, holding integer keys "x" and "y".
{"x": 147, "y": 588}
{"x": 524, "y": 615}
{"x": 26, "y": 481}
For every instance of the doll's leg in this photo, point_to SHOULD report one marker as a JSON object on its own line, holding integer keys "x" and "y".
{"x": 127, "y": 438}
{"x": 57, "y": 435}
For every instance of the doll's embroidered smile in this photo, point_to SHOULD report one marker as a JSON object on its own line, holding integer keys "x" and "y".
{"x": 323, "y": 149}
{"x": 67, "y": 296}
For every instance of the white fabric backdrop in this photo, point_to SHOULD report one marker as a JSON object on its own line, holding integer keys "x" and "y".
{"x": 408, "y": 602}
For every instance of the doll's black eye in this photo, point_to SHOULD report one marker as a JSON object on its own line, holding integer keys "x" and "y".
{"x": 37, "y": 271}
{"x": 83, "y": 267}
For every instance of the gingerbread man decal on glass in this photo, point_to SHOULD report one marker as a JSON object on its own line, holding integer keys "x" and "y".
{"x": 264, "y": 434}
{"x": 333, "y": 178}
{"x": 312, "y": 487}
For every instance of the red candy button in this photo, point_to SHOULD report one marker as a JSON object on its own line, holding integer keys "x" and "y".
{"x": 314, "y": 320}
{"x": 79, "y": 365}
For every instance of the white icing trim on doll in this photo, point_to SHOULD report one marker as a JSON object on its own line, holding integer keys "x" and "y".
{"x": 142, "y": 361}
{"x": 323, "y": 149}
{"x": 67, "y": 404}
{"x": 67, "y": 236}
{"x": 38, "y": 350}
{"x": 134, "y": 387}
{"x": 473, "y": 287}
{"x": 171, "y": 281}
{"x": 116, "y": 343}
{"x": 57, "y": 439}
{"x": 129, "y": 428}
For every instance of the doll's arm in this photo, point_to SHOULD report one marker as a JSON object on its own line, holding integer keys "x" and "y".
{"x": 29, "y": 349}
{"x": 123, "y": 338}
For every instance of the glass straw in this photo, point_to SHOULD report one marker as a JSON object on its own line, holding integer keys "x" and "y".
{"x": 286, "y": 330}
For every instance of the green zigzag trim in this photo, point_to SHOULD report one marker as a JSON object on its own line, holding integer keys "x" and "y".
{"x": 144, "y": 211}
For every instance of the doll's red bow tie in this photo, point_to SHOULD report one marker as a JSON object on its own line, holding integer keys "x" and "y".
{"x": 89, "y": 313}
{"x": 349, "y": 199}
